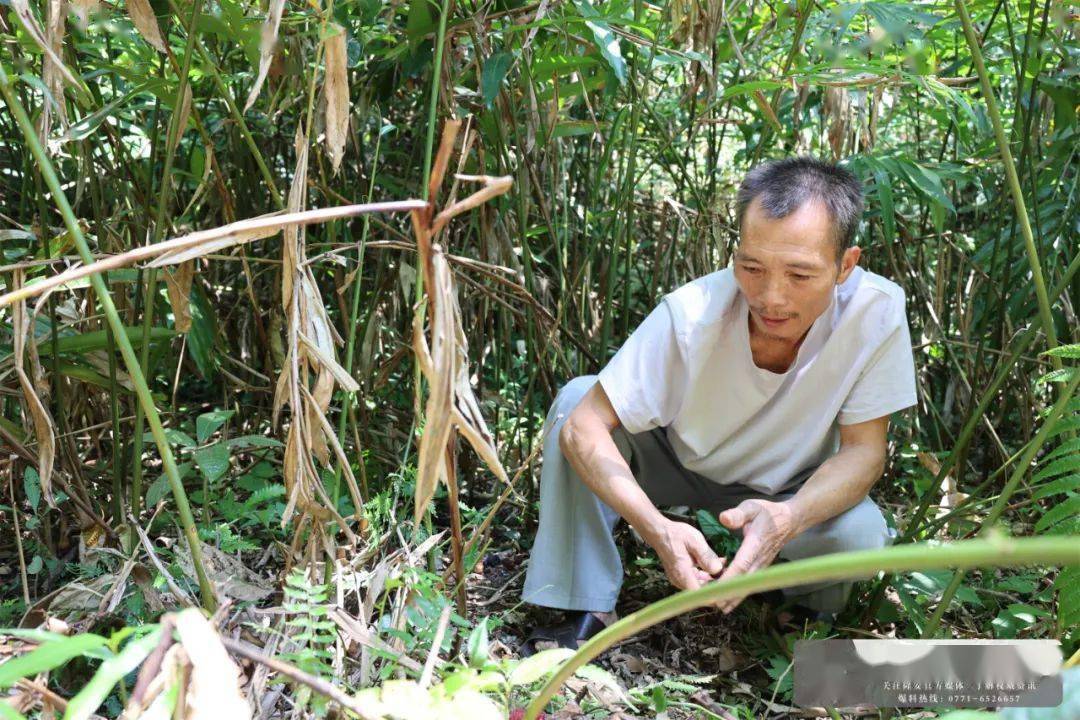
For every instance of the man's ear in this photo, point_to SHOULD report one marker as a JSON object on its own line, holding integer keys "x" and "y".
{"x": 848, "y": 262}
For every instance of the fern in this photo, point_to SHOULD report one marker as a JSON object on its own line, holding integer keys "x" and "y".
{"x": 311, "y": 633}
{"x": 1061, "y": 468}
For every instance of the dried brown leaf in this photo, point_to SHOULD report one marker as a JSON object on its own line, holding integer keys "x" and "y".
{"x": 267, "y": 41}
{"x": 178, "y": 283}
{"x": 44, "y": 428}
{"x": 291, "y": 474}
{"x": 336, "y": 87}
{"x": 493, "y": 187}
{"x": 438, "y": 411}
{"x": 214, "y": 688}
{"x": 184, "y": 112}
{"x": 330, "y": 364}
{"x": 291, "y": 251}
{"x": 51, "y": 73}
{"x": 33, "y": 29}
{"x": 83, "y": 9}
{"x": 230, "y": 577}
{"x": 212, "y": 246}
{"x": 169, "y": 252}
{"x": 142, "y": 15}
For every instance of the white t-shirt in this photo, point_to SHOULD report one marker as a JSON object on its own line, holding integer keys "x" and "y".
{"x": 688, "y": 368}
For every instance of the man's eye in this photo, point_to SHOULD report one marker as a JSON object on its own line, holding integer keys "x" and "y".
{"x": 752, "y": 270}
{"x": 801, "y": 277}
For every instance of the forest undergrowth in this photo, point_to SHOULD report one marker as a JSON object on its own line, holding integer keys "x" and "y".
{"x": 286, "y": 291}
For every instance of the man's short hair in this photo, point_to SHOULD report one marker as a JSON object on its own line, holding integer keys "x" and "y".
{"x": 784, "y": 186}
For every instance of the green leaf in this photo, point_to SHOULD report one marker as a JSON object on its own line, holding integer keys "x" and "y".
{"x": 89, "y": 699}
{"x": 924, "y": 180}
{"x": 472, "y": 679}
{"x": 1069, "y": 447}
{"x": 914, "y": 613}
{"x": 554, "y": 65}
{"x": 253, "y": 441}
{"x": 780, "y": 671}
{"x": 10, "y": 713}
{"x": 35, "y": 565}
{"x": 967, "y": 596}
{"x": 203, "y": 333}
{"x": 571, "y": 128}
{"x": 747, "y": 88}
{"x": 1017, "y": 584}
{"x": 606, "y": 40}
{"x": 176, "y": 437}
{"x": 157, "y": 491}
{"x": 1067, "y": 583}
{"x": 709, "y": 524}
{"x": 213, "y": 460}
{"x": 1067, "y": 464}
{"x": 600, "y": 676}
{"x": 420, "y": 21}
{"x": 883, "y": 191}
{"x": 1068, "y": 510}
{"x": 1061, "y": 485}
{"x": 491, "y": 77}
{"x": 478, "y": 644}
{"x": 98, "y": 340}
{"x": 1057, "y": 376}
{"x": 1065, "y": 351}
{"x": 49, "y": 656}
{"x": 539, "y": 666}
{"x": 32, "y": 487}
{"x": 900, "y": 22}
{"x": 207, "y": 423}
{"x": 1016, "y": 618}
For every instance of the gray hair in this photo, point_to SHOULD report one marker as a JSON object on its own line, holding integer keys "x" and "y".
{"x": 784, "y": 186}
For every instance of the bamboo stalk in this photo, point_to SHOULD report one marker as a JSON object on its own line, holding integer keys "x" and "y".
{"x": 1022, "y": 467}
{"x": 348, "y": 398}
{"x": 1014, "y": 181}
{"x": 967, "y": 432}
{"x": 164, "y": 196}
{"x": 138, "y": 380}
{"x": 996, "y": 551}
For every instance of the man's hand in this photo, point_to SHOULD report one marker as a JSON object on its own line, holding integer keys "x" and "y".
{"x": 766, "y": 527}
{"x": 688, "y": 560}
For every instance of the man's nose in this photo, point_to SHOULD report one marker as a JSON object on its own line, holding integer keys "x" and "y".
{"x": 775, "y": 295}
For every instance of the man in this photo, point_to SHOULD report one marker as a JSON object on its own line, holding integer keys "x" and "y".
{"x": 761, "y": 391}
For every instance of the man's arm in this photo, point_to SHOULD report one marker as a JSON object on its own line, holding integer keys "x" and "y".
{"x": 840, "y": 483}
{"x": 585, "y": 440}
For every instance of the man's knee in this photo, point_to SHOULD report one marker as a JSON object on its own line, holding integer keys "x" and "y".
{"x": 861, "y": 527}
{"x": 568, "y": 398}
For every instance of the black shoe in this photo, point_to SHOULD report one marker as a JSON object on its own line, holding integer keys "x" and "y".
{"x": 578, "y": 627}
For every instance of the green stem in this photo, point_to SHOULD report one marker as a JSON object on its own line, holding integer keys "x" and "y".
{"x": 354, "y": 312}
{"x": 429, "y": 148}
{"x": 171, "y": 144}
{"x": 433, "y": 106}
{"x": 142, "y": 391}
{"x": 211, "y": 65}
{"x": 1014, "y": 181}
{"x": 996, "y": 511}
{"x": 915, "y": 526}
{"x": 997, "y": 551}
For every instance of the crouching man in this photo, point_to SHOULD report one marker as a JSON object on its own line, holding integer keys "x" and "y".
{"x": 761, "y": 392}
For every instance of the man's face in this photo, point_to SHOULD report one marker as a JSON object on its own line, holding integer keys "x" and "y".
{"x": 787, "y": 269}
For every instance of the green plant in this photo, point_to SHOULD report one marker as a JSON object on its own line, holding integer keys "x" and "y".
{"x": 993, "y": 551}
{"x": 311, "y": 635}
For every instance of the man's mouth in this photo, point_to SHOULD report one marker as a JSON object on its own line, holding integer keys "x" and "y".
{"x": 773, "y": 322}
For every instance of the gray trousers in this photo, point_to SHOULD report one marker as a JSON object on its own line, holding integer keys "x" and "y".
{"x": 575, "y": 565}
